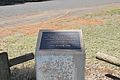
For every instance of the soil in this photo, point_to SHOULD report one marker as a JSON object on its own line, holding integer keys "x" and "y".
{"x": 65, "y": 22}
{"x": 93, "y": 71}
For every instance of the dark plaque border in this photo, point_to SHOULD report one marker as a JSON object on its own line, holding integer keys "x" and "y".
{"x": 60, "y": 40}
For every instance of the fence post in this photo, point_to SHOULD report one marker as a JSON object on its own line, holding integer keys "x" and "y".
{"x": 4, "y": 66}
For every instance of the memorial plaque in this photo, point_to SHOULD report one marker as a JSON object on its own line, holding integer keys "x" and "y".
{"x": 60, "y": 40}
{"x": 60, "y": 55}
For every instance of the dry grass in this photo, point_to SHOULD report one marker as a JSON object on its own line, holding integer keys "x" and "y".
{"x": 101, "y": 34}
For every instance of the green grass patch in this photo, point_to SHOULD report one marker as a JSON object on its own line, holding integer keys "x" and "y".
{"x": 114, "y": 11}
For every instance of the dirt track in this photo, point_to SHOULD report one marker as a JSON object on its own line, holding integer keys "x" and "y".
{"x": 64, "y": 22}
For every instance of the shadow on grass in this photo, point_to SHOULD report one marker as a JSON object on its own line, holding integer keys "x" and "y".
{"x": 23, "y": 74}
{"x": 14, "y": 2}
{"x": 112, "y": 77}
